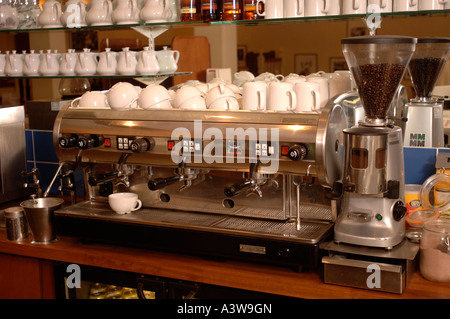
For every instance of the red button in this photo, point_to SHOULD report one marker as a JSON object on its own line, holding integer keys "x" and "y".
{"x": 107, "y": 142}
{"x": 170, "y": 145}
{"x": 284, "y": 150}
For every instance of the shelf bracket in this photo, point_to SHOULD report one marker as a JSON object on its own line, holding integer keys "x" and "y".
{"x": 151, "y": 32}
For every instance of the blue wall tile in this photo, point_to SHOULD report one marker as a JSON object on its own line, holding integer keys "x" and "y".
{"x": 43, "y": 147}
{"x": 419, "y": 164}
{"x": 29, "y": 145}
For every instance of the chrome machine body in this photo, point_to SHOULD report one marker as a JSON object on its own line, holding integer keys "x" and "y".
{"x": 239, "y": 184}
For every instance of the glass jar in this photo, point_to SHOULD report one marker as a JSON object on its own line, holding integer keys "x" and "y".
{"x": 211, "y": 10}
{"x": 232, "y": 10}
{"x": 190, "y": 10}
{"x": 250, "y": 10}
{"x": 435, "y": 250}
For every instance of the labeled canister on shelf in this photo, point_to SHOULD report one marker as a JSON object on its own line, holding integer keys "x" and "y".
{"x": 16, "y": 224}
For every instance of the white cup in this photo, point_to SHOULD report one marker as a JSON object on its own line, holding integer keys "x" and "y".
{"x": 404, "y": 5}
{"x": 225, "y": 103}
{"x": 122, "y": 96}
{"x": 124, "y": 203}
{"x": 324, "y": 89}
{"x": 281, "y": 97}
{"x": 293, "y": 8}
{"x": 217, "y": 92}
{"x": 308, "y": 96}
{"x": 294, "y": 79}
{"x": 154, "y": 96}
{"x": 273, "y": 9}
{"x": 384, "y": 5}
{"x": 242, "y": 76}
{"x": 425, "y": 5}
{"x": 254, "y": 96}
{"x": 354, "y": 6}
{"x": 91, "y": 99}
{"x": 185, "y": 93}
{"x": 315, "y": 8}
{"x": 193, "y": 103}
{"x": 339, "y": 85}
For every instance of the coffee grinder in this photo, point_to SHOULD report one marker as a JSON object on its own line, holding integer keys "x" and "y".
{"x": 425, "y": 127}
{"x": 373, "y": 206}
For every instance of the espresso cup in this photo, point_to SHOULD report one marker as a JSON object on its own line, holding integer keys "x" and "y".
{"x": 281, "y": 97}
{"x": 293, "y": 8}
{"x": 91, "y": 99}
{"x": 122, "y": 96}
{"x": 384, "y": 5}
{"x": 217, "y": 92}
{"x": 186, "y": 93}
{"x": 324, "y": 89}
{"x": 273, "y": 9}
{"x": 193, "y": 103}
{"x": 425, "y": 5}
{"x": 124, "y": 203}
{"x": 404, "y": 5}
{"x": 254, "y": 96}
{"x": 315, "y": 8}
{"x": 308, "y": 96}
{"x": 354, "y": 6}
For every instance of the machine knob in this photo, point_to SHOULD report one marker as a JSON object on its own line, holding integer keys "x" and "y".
{"x": 297, "y": 152}
{"x": 90, "y": 141}
{"x": 398, "y": 211}
{"x": 141, "y": 145}
{"x": 68, "y": 141}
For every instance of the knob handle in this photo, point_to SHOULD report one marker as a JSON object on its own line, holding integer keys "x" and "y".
{"x": 297, "y": 152}
{"x": 68, "y": 141}
{"x": 141, "y": 145}
{"x": 90, "y": 141}
{"x": 399, "y": 211}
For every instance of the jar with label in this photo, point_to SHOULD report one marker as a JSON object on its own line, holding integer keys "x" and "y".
{"x": 211, "y": 10}
{"x": 250, "y": 12}
{"x": 435, "y": 250}
{"x": 190, "y": 10}
{"x": 232, "y": 10}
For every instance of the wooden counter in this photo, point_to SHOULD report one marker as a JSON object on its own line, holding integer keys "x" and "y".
{"x": 250, "y": 276}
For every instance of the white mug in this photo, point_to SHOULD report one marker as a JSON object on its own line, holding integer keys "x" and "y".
{"x": 254, "y": 96}
{"x": 293, "y": 8}
{"x": 294, "y": 79}
{"x": 273, "y": 9}
{"x": 123, "y": 96}
{"x": 384, "y": 5}
{"x": 323, "y": 87}
{"x": 281, "y": 97}
{"x": 425, "y": 5}
{"x": 124, "y": 203}
{"x": 217, "y": 92}
{"x": 91, "y": 99}
{"x": 31, "y": 64}
{"x": 354, "y": 6}
{"x": 404, "y": 5}
{"x": 315, "y": 8}
{"x": 339, "y": 84}
{"x": 308, "y": 96}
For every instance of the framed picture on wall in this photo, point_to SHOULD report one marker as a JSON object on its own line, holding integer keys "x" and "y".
{"x": 338, "y": 63}
{"x": 241, "y": 53}
{"x": 305, "y": 64}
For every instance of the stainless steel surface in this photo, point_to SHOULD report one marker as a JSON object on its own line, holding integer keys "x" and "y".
{"x": 12, "y": 152}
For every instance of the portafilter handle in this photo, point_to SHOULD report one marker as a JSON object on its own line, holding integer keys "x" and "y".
{"x": 159, "y": 183}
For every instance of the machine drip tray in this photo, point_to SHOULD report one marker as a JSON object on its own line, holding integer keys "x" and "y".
{"x": 369, "y": 267}
{"x": 217, "y": 235}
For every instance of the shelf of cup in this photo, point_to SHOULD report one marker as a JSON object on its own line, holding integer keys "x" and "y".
{"x": 119, "y": 76}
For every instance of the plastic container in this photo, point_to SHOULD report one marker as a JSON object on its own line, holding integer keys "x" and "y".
{"x": 435, "y": 250}
{"x": 416, "y": 218}
{"x": 433, "y": 192}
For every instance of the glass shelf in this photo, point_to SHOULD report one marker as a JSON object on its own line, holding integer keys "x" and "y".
{"x": 237, "y": 22}
{"x": 155, "y": 76}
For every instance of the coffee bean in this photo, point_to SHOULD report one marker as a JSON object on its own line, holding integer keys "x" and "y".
{"x": 377, "y": 84}
{"x": 424, "y": 73}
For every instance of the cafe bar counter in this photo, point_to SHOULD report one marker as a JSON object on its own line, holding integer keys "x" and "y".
{"x": 23, "y": 264}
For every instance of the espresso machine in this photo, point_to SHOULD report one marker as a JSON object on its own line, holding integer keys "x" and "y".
{"x": 424, "y": 113}
{"x": 238, "y": 184}
{"x": 373, "y": 206}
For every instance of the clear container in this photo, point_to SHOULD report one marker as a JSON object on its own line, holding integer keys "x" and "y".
{"x": 418, "y": 217}
{"x": 435, "y": 250}
{"x": 434, "y": 192}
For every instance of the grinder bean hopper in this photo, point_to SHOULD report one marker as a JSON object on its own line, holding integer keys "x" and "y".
{"x": 425, "y": 127}
{"x": 373, "y": 206}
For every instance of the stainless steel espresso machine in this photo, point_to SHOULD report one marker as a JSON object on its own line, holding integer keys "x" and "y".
{"x": 373, "y": 206}
{"x": 425, "y": 125}
{"x": 235, "y": 184}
